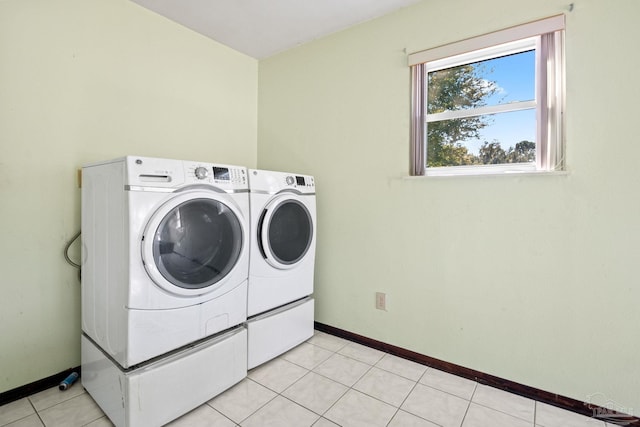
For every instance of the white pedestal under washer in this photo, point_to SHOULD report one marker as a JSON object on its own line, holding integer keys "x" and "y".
{"x": 165, "y": 254}
{"x": 162, "y": 390}
{"x": 281, "y": 264}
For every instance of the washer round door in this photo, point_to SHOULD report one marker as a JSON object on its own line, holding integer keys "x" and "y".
{"x": 192, "y": 242}
{"x": 285, "y": 232}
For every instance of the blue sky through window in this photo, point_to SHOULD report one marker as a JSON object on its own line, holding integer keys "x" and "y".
{"x": 514, "y": 76}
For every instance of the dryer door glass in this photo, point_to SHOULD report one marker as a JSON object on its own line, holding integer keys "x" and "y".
{"x": 197, "y": 243}
{"x": 289, "y": 232}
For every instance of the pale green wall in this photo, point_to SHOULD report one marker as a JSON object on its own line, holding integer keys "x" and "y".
{"x": 531, "y": 278}
{"x": 81, "y": 81}
{"x": 527, "y": 278}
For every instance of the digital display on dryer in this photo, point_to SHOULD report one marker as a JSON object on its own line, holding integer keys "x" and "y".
{"x": 300, "y": 180}
{"x": 221, "y": 173}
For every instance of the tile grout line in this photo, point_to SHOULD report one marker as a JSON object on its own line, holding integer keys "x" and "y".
{"x": 415, "y": 384}
{"x": 316, "y": 373}
{"x": 207, "y": 403}
{"x": 441, "y": 391}
{"x": 507, "y": 413}
{"x": 349, "y": 388}
{"x": 36, "y": 411}
{"x": 466, "y": 412}
{"x": 400, "y": 375}
{"x": 261, "y": 406}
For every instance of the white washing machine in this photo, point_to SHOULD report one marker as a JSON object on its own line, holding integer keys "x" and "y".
{"x": 282, "y": 261}
{"x": 164, "y": 285}
{"x": 166, "y": 254}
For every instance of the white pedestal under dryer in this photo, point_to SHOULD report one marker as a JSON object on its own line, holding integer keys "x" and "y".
{"x": 282, "y": 262}
{"x": 164, "y": 281}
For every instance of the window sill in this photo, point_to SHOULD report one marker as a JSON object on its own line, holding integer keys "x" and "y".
{"x": 493, "y": 173}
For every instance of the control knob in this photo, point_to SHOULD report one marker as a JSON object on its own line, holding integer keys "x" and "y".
{"x": 201, "y": 172}
{"x": 289, "y": 180}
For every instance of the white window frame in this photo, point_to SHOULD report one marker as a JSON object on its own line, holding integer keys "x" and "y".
{"x": 547, "y": 38}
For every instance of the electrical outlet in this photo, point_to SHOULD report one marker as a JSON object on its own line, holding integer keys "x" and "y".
{"x": 381, "y": 301}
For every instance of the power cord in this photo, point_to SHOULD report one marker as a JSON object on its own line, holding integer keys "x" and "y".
{"x": 66, "y": 254}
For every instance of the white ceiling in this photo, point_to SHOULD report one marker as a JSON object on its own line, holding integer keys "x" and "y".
{"x": 261, "y": 28}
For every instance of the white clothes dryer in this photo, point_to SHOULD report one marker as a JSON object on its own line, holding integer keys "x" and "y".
{"x": 165, "y": 254}
{"x": 283, "y": 245}
{"x": 281, "y": 264}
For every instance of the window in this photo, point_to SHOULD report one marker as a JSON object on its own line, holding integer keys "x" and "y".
{"x": 490, "y": 104}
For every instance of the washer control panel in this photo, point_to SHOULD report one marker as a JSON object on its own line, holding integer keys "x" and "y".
{"x": 154, "y": 172}
{"x": 219, "y": 174}
{"x": 230, "y": 174}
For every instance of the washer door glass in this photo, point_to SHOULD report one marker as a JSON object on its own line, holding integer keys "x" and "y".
{"x": 286, "y": 233}
{"x": 197, "y": 243}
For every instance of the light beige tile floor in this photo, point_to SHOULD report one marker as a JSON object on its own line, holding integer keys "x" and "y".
{"x": 325, "y": 382}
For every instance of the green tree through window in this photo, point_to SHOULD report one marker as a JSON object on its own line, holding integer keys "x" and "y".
{"x": 454, "y": 89}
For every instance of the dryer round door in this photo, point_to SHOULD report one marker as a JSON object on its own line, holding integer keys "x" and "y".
{"x": 285, "y": 232}
{"x": 192, "y": 242}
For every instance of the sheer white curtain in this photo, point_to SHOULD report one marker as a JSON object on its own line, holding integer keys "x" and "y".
{"x": 551, "y": 94}
{"x": 418, "y": 115}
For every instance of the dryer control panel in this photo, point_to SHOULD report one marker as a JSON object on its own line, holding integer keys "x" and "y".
{"x": 273, "y": 181}
{"x": 299, "y": 181}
